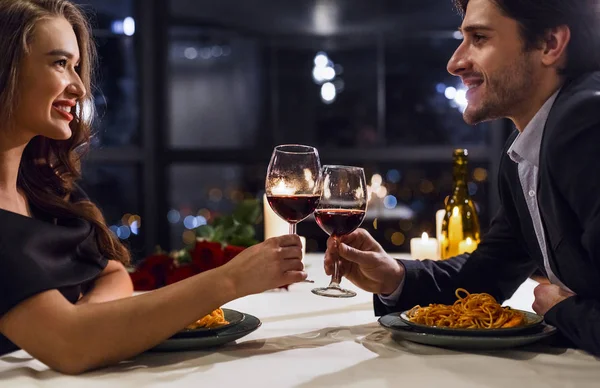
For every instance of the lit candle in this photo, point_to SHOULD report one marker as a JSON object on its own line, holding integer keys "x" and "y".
{"x": 424, "y": 248}
{"x": 439, "y": 219}
{"x": 467, "y": 246}
{"x": 275, "y": 225}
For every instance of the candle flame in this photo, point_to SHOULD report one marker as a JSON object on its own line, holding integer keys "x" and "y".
{"x": 282, "y": 189}
{"x": 425, "y": 236}
{"x": 308, "y": 176}
{"x": 469, "y": 241}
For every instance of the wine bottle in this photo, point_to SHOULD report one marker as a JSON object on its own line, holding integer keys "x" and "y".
{"x": 460, "y": 227}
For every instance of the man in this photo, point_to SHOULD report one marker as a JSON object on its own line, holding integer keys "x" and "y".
{"x": 536, "y": 62}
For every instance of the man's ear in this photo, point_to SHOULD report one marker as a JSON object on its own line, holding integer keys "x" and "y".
{"x": 554, "y": 46}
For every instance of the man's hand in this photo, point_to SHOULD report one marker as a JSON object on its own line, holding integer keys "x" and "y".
{"x": 364, "y": 262}
{"x": 548, "y": 296}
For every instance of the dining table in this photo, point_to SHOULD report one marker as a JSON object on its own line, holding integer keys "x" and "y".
{"x": 306, "y": 340}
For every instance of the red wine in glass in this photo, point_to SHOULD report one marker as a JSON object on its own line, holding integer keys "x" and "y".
{"x": 340, "y": 211}
{"x": 338, "y": 222}
{"x": 292, "y": 183}
{"x": 293, "y": 208}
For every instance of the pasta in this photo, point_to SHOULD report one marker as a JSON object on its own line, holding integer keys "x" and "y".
{"x": 471, "y": 311}
{"x": 214, "y": 319}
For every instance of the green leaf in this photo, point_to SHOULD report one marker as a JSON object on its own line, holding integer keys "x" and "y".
{"x": 243, "y": 231}
{"x": 247, "y": 212}
{"x": 226, "y": 222}
{"x": 235, "y": 229}
{"x": 219, "y": 235}
{"x": 205, "y": 231}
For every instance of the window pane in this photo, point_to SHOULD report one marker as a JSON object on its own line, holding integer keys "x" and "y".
{"x": 423, "y": 101}
{"x": 209, "y": 190}
{"x": 116, "y": 93}
{"x": 217, "y": 83}
{"x": 117, "y": 122}
{"x": 107, "y": 9}
{"x": 327, "y": 92}
{"x": 115, "y": 189}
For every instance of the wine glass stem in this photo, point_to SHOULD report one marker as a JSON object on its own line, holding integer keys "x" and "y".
{"x": 292, "y": 228}
{"x": 335, "y": 279}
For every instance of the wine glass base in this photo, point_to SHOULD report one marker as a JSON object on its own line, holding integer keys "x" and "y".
{"x": 333, "y": 292}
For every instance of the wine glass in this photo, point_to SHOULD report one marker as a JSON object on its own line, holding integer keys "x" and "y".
{"x": 292, "y": 185}
{"x": 340, "y": 211}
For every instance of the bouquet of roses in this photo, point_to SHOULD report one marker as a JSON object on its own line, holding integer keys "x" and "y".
{"x": 215, "y": 244}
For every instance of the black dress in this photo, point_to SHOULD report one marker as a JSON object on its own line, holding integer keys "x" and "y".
{"x": 41, "y": 253}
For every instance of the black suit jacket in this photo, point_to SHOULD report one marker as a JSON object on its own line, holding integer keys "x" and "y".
{"x": 569, "y": 203}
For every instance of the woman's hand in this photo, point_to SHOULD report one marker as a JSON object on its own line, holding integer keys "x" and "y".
{"x": 271, "y": 264}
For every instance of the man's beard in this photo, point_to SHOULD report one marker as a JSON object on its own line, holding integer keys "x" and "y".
{"x": 506, "y": 92}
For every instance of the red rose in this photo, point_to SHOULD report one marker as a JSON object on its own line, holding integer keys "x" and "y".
{"x": 207, "y": 255}
{"x": 230, "y": 252}
{"x": 180, "y": 273}
{"x": 142, "y": 281}
{"x": 158, "y": 266}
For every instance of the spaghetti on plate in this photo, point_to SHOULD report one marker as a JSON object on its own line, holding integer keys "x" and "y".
{"x": 470, "y": 311}
{"x": 214, "y": 319}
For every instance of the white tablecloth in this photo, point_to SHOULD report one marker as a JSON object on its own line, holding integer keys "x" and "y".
{"x": 311, "y": 341}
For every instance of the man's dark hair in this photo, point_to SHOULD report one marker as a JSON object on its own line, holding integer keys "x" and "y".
{"x": 536, "y": 17}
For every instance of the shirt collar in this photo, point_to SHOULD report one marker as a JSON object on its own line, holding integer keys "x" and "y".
{"x": 527, "y": 144}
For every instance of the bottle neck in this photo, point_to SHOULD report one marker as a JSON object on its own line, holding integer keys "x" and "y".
{"x": 460, "y": 173}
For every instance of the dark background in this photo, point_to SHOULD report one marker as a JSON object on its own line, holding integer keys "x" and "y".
{"x": 191, "y": 103}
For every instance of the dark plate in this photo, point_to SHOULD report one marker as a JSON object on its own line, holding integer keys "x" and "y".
{"x": 532, "y": 321}
{"x": 213, "y": 339}
{"x": 401, "y": 331}
{"x": 232, "y": 316}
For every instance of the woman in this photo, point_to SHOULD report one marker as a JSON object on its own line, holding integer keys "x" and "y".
{"x": 65, "y": 296}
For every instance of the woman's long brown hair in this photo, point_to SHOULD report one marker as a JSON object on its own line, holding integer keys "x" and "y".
{"x": 49, "y": 168}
